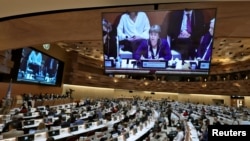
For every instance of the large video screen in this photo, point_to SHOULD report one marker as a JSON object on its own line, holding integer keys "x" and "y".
{"x": 158, "y": 42}
{"x": 39, "y": 68}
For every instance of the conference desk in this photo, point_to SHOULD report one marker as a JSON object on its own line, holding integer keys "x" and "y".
{"x": 141, "y": 131}
{"x": 193, "y": 135}
{"x": 159, "y": 66}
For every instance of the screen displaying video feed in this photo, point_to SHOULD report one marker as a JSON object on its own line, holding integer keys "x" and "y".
{"x": 39, "y": 68}
{"x": 159, "y": 42}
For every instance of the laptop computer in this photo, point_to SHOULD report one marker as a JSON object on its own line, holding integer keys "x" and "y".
{"x": 28, "y": 137}
{"x": 28, "y": 122}
{"x": 54, "y": 133}
{"x": 27, "y": 114}
{"x": 73, "y": 128}
{"x": 126, "y": 135}
{"x": 41, "y": 108}
{"x": 48, "y": 120}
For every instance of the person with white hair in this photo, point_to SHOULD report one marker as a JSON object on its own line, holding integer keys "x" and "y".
{"x": 204, "y": 51}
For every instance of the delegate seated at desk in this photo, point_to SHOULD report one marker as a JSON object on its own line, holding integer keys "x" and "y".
{"x": 154, "y": 48}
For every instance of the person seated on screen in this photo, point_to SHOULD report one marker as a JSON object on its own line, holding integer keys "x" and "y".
{"x": 132, "y": 28}
{"x": 154, "y": 48}
{"x": 204, "y": 51}
{"x": 185, "y": 30}
{"x": 34, "y": 64}
{"x": 23, "y": 63}
{"x": 109, "y": 39}
{"x": 51, "y": 66}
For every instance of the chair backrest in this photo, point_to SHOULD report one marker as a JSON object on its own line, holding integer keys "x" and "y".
{"x": 98, "y": 135}
{"x": 72, "y": 138}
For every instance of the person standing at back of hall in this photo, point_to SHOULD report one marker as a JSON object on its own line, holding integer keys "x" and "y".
{"x": 169, "y": 112}
{"x": 132, "y": 28}
{"x": 185, "y": 30}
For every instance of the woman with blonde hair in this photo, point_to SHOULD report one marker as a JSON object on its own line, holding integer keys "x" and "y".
{"x": 155, "y": 48}
{"x": 41, "y": 127}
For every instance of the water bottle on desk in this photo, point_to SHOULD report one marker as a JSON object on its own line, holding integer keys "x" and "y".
{"x": 118, "y": 62}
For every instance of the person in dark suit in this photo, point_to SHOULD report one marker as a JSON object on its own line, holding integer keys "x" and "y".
{"x": 65, "y": 123}
{"x": 185, "y": 29}
{"x": 204, "y": 51}
{"x": 78, "y": 120}
{"x": 51, "y": 66}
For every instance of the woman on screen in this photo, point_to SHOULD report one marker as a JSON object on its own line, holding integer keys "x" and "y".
{"x": 154, "y": 48}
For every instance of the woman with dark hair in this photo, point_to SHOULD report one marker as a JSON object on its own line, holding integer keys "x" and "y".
{"x": 154, "y": 48}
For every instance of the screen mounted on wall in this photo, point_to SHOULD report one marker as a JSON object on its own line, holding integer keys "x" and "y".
{"x": 162, "y": 42}
{"x": 38, "y": 68}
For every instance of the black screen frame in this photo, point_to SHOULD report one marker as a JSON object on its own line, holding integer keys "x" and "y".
{"x": 111, "y": 70}
{"x": 17, "y": 56}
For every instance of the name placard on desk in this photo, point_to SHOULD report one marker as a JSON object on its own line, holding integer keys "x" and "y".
{"x": 160, "y": 64}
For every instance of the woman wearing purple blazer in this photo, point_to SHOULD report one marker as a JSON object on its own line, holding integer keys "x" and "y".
{"x": 155, "y": 48}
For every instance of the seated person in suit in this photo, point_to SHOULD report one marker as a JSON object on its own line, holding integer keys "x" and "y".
{"x": 116, "y": 131}
{"x": 204, "y": 51}
{"x": 154, "y": 48}
{"x": 51, "y": 66}
{"x": 65, "y": 123}
{"x": 157, "y": 135}
{"x": 185, "y": 29}
{"x": 13, "y": 132}
{"x": 132, "y": 28}
{"x": 58, "y": 122}
{"x": 78, "y": 120}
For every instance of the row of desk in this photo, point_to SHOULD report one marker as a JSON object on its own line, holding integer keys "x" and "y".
{"x": 58, "y": 134}
{"x": 129, "y": 135}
